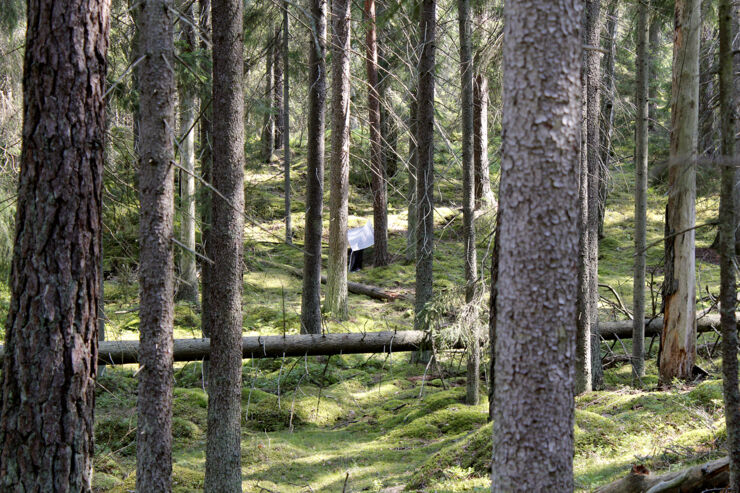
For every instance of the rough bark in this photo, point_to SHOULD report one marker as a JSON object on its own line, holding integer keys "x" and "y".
{"x": 377, "y": 165}
{"x": 588, "y": 374}
{"x": 311, "y": 296}
{"x": 286, "y": 123}
{"x": 728, "y": 300}
{"x": 492, "y": 314}
{"x": 268, "y": 122}
{"x": 46, "y": 426}
{"x": 425, "y": 163}
{"x": 535, "y": 356}
{"x": 678, "y": 339}
{"x": 335, "y": 300}
{"x": 223, "y": 446}
{"x": 187, "y": 286}
{"x": 472, "y": 396}
{"x": 641, "y": 162}
{"x": 156, "y": 269}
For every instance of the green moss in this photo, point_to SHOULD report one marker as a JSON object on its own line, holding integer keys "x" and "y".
{"x": 116, "y": 434}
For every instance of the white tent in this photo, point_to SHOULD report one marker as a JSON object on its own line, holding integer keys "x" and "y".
{"x": 361, "y": 238}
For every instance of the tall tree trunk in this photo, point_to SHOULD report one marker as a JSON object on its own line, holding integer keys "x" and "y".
{"x": 286, "y": 124}
{"x": 654, "y": 42}
{"x": 156, "y": 269}
{"x": 471, "y": 273}
{"x": 336, "y": 286}
{"x": 706, "y": 83}
{"x": 588, "y": 361}
{"x": 377, "y": 166}
{"x": 493, "y": 311}
{"x": 223, "y": 446}
{"x": 483, "y": 194}
{"x": 678, "y": 338}
{"x": 268, "y": 123}
{"x": 205, "y": 152}
{"x": 311, "y": 298}
{"x": 641, "y": 165}
{"x": 425, "y": 163}
{"x": 412, "y": 165}
{"x": 535, "y": 367}
{"x": 736, "y": 83}
{"x": 607, "y": 106}
{"x": 277, "y": 87}
{"x": 51, "y": 348}
{"x": 187, "y": 287}
{"x": 728, "y": 300}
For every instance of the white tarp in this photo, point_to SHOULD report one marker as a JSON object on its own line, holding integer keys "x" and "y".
{"x": 361, "y": 238}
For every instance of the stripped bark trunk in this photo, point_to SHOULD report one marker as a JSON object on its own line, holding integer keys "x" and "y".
{"x": 336, "y": 287}
{"x": 48, "y": 397}
{"x": 311, "y": 296}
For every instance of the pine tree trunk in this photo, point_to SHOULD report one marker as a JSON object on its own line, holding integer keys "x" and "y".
{"x": 286, "y": 124}
{"x": 706, "y": 83}
{"x": 205, "y": 151}
{"x": 471, "y": 274}
{"x": 336, "y": 286}
{"x": 311, "y": 296}
{"x": 223, "y": 446}
{"x": 50, "y": 362}
{"x": 412, "y": 165}
{"x": 492, "y": 312}
{"x": 377, "y": 166}
{"x": 425, "y": 164}
{"x": 156, "y": 269}
{"x": 277, "y": 87}
{"x": 483, "y": 194}
{"x": 654, "y": 42}
{"x": 607, "y": 106}
{"x": 268, "y": 123}
{"x": 678, "y": 339}
{"x": 535, "y": 356}
{"x": 728, "y": 300}
{"x": 187, "y": 286}
{"x": 641, "y": 162}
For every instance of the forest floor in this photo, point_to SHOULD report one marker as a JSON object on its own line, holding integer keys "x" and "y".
{"x": 381, "y": 423}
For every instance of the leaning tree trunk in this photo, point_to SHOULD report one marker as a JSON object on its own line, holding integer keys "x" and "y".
{"x": 311, "y": 297}
{"x": 471, "y": 274}
{"x": 286, "y": 125}
{"x": 187, "y": 287}
{"x": 678, "y": 339}
{"x": 535, "y": 356}
{"x": 425, "y": 163}
{"x": 336, "y": 286}
{"x": 156, "y": 270}
{"x": 641, "y": 162}
{"x": 223, "y": 446}
{"x": 728, "y": 299}
{"x": 377, "y": 166}
{"x": 46, "y": 426}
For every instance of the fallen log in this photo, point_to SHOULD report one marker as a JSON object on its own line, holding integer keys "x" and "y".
{"x": 714, "y": 474}
{"x": 623, "y": 328}
{"x": 122, "y": 352}
{"x": 374, "y": 292}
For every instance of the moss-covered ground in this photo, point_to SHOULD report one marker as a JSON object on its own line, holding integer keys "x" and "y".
{"x": 382, "y": 423}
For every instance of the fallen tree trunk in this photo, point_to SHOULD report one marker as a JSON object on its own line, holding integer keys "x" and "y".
{"x": 623, "y": 328}
{"x": 715, "y": 474}
{"x": 121, "y": 352}
{"x": 374, "y": 292}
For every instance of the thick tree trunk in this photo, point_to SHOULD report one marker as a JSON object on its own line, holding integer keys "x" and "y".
{"x": 377, "y": 166}
{"x": 336, "y": 287}
{"x": 156, "y": 269}
{"x": 223, "y": 446}
{"x": 641, "y": 162}
{"x": 187, "y": 286}
{"x": 268, "y": 123}
{"x": 678, "y": 339}
{"x": 535, "y": 356}
{"x": 311, "y": 296}
{"x": 588, "y": 371}
{"x": 471, "y": 274}
{"x": 277, "y": 87}
{"x": 46, "y": 426}
{"x": 728, "y": 300}
{"x": 286, "y": 124}
{"x": 425, "y": 164}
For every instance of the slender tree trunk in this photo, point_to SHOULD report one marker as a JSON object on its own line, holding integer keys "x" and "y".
{"x": 223, "y": 446}
{"x": 678, "y": 338}
{"x": 535, "y": 356}
{"x": 588, "y": 374}
{"x": 735, "y": 14}
{"x": 483, "y": 194}
{"x": 156, "y": 269}
{"x": 654, "y": 42}
{"x": 728, "y": 300}
{"x": 412, "y": 165}
{"x": 641, "y": 162}
{"x": 377, "y": 166}
{"x": 51, "y": 348}
{"x": 425, "y": 164}
{"x": 205, "y": 151}
{"x": 268, "y": 124}
{"x": 187, "y": 287}
{"x": 471, "y": 274}
{"x": 493, "y": 311}
{"x": 336, "y": 286}
{"x": 311, "y": 298}
{"x": 286, "y": 124}
{"x": 706, "y": 83}
{"x": 607, "y": 106}
{"x": 277, "y": 87}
